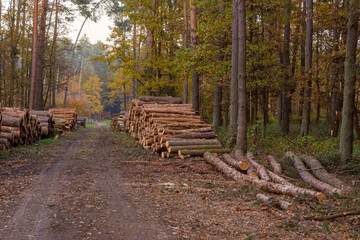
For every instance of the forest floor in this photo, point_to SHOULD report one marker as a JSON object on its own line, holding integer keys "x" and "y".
{"x": 96, "y": 184}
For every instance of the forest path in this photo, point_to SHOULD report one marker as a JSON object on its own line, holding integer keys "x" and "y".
{"x": 97, "y": 184}
{"x": 77, "y": 192}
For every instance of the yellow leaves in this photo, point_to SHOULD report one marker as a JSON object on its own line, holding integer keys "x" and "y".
{"x": 93, "y": 89}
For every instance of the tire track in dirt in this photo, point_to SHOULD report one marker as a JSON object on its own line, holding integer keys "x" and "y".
{"x": 78, "y": 195}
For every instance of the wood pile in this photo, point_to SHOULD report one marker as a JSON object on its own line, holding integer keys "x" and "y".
{"x": 246, "y": 170}
{"x": 171, "y": 128}
{"x": 18, "y": 127}
{"x": 65, "y": 119}
{"x": 81, "y": 122}
{"x": 46, "y": 122}
{"x": 118, "y": 121}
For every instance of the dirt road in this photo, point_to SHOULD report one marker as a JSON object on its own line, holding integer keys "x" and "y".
{"x": 96, "y": 184}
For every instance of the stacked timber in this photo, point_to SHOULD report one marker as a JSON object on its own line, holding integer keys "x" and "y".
{"x": 65, "y": 119}
{"x": 118, "y": 121}
{"x": 171, "y": 128}
{"x": 69, "y": 114}
{"x": 46, "y": 122}
{"x": 18, "y": 127}
{"x": 81, "y": 122}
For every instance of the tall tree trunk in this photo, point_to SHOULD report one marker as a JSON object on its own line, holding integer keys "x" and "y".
{"x": 53, "y": 67}
{"x": 234, "y": 99}
{"x": 186, "y": 45}
{"x": 241, "y": 140}
{"x": 265, "y": 110}
{"x": 124, "y": 97}
{"x": 317, "y": 78}
{"x": 33, "y": 86}
{"x": 335, "y": 114}
{"x": 305, "y": 122}
{"x": 217, "y": 111}
{"x": 346, "y": 132}
{"x": 285, "y": 94}
{"x": 195, "y": 84}
{"x": 134, "y": 87}
{"x": 302, "y": 59}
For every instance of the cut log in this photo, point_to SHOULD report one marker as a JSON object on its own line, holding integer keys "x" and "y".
{"x": 192, "y": 147}
{"x": 175, "y": 131}
{"x": 320, "y": 172}
{"x": 251, "y": 171}
{"x": 278, "y": 179}
{"x": 273, "y": 202}
{"x": 199, "y": 152}
{"x": 308, "y": 178}
{"x": 261, "y": 184}
{"x": 239, "y": 165}
{"x": 192, "y": 142}
{"x": 206, "y": 135}
{"x": 274, "y": 164}
{"x": 260, "y": 168}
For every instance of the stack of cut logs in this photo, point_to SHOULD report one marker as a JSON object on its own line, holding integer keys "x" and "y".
{"x": 65, "y": 119}
{"x": 18, "y": 127}
{"x": 46, "y": 122}
{"x": 246, "y": 170}
{"x": 118, "y": 121}
{"x": 171, "y": 128}
{"x": 81, "y": 122}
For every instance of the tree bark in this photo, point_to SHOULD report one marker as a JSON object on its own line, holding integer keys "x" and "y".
{"x": 285, "y": 95}
{"x": 260, "y": 168}
{"x": 320, "y": 172}
{"x": 308, "y": 178}
{"x": 237, "y": 164}
{"x": 33, "y": 86}
{"x": 273, "y": 202}
{"x": 336, "y": 102}
{"x": 195, "y": 84}
{"x": 234, "y": 99}
{"x": 274, "y": 164}
{"x": 186, "y": 45}
{"x": 264, "y": 185}
{"x": 305, "y": 122}
{"x": 241, "y": 140}
{"x": 346, "y": 133}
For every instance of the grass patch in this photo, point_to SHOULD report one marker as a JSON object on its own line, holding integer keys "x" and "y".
{"x": 105, "y": 122}
{"x": 90, "y": 125}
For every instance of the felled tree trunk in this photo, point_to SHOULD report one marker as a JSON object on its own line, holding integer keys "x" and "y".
{"x": 260, "y": 168}
{"x": 320, "y": 172}
{"x": 274, "y": 164}
{"x": 261, "y": 184}
{"x": 308, "y": 178}
{"x": 239, "y": 165}
{"x": 251, "y": 171}
{"x": 273, "y": 202}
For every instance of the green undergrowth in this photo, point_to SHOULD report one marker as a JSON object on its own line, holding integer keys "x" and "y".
{"x": 105, "y": 122}
{"x": 317, "y": 144}
{"x": 90, "y": 125}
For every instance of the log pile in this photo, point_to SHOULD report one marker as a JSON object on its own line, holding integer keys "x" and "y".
{"x": 46, "y": 122}
{"x": 18, "y": 127}
{"x": 81, "y": 122}
{"x": 118, "y": 121}
{"x": 237, "y": 167}
{"x": 171, "y": 128}
{"x": 65, "y": 119}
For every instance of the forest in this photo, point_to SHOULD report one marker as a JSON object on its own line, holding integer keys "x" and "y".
{"x": 269, "y": 75}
